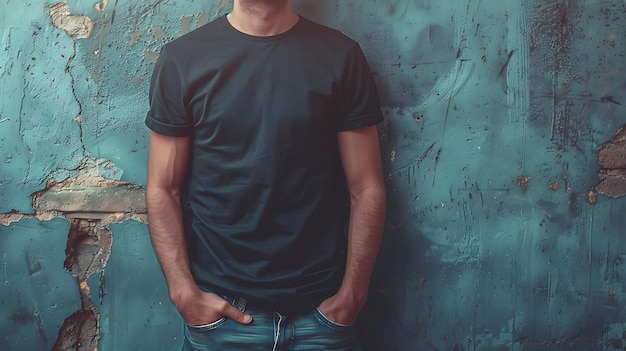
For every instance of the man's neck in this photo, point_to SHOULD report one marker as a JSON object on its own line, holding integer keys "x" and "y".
{"x": 261, "y": 18}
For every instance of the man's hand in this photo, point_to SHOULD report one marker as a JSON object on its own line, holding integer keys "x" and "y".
{"x": 342, "y": 309}
{"x": 201, "y": 308}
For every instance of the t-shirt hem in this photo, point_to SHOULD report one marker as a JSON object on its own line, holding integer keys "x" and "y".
{"x": 360, "y": 122}
{"x": 282, "y": 305}
{"x": 167, "y": 129}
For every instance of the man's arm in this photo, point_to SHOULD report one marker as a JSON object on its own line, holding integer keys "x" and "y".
{"x": 360, "y": 157}
{"x": 167, "y": 164}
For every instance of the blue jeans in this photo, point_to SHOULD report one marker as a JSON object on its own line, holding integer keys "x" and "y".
{"x": 270, "y": 330}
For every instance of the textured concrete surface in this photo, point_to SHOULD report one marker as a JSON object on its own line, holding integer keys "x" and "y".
{"x": 502, "y": 148}
{"x": 36, "y": 293}
{"x": 135, "y": 312}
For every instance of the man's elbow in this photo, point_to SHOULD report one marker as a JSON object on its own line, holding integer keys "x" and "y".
{"x": 158, "y": 193}
{"x": 373, "y": 193}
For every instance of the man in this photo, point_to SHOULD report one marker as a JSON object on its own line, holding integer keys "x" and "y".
{"x": 263, "y": 155}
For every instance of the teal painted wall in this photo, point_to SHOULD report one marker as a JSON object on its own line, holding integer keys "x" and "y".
{"x": 478, "y": 94}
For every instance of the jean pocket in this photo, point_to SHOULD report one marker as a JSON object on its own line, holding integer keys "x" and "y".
{"x": 330, "y": 323}
{"x": 209, "y": 326}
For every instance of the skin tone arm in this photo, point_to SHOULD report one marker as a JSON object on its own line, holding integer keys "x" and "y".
{"x": 167, "y": 164}
{"x": 360, "y": 156}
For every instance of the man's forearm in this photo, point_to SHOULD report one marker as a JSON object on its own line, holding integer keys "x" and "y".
{"x": 169, "y": 240}
{"x": 165, "y": 222}
{"x": 367, "y": 218}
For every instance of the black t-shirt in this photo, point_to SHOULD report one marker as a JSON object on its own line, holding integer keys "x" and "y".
{"x": 268, "y": 199}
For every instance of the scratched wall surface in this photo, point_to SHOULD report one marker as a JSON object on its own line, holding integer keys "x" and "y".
{"x": 498, "y": 236}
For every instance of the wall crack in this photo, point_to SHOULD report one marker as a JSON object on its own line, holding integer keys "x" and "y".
{"x": 91, "y": 203}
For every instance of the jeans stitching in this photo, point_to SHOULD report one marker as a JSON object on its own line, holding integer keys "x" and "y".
{"x": 209, "y": 326}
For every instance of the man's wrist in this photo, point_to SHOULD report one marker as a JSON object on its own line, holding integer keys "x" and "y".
{"x": 181, "y": 292}
{"x": 352, "y": 295}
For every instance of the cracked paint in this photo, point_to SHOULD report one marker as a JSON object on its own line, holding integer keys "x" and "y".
{"x": 85, "y": 195}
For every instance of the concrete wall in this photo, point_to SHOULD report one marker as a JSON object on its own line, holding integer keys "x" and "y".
{"x": 502, "y": 148}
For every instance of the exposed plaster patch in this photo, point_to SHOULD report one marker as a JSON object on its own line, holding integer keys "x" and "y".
{"x": 150, "y": 55}
{"x": 76, "y": 26}
{"x": 12, "y": 217}
{"x": 80, "y": 332}
{"x": 158, "y": 33}
{"x": 93, "y": 195}
{"x": 101, "y": 5}
{"x": 134, "y": 36}
{"x": 134, "y": 81}
{"x": 88, "y": 194}
{"x": 222, "y": 5}
{"x": 612, "y": 158}
{"x": 88, "y": 249}
{"x": 185, "y": 23}
{"x": 203, "y": 18}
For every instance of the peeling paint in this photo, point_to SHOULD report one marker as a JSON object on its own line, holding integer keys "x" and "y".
{"x": 79, "y": 332}
{"x": 88, "y": 249}
{"x": 76, "y": 26}
{"x": 612, "y": 158}
{"x": 86, "y": 195}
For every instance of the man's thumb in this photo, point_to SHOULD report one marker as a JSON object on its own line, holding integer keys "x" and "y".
{"x": 238, "y": 315}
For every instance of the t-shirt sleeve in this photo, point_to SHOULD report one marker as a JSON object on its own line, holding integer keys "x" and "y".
{"x": 359, "y": 102}
{"x": 167, "y": 114}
